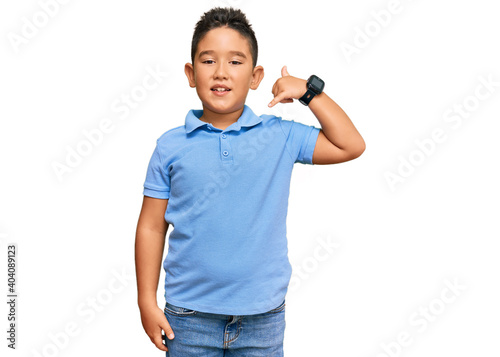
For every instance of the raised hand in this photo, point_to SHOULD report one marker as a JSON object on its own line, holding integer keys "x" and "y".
{"x": 287, "y": 88}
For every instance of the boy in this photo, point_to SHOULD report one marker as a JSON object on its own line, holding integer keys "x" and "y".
{"x": 222, "y": 180}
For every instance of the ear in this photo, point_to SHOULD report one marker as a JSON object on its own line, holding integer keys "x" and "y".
{"x": 257, "y": 75}
{"x": 189, "y": 70}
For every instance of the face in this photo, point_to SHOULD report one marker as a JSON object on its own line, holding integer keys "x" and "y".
{"x": 223, "y": 60}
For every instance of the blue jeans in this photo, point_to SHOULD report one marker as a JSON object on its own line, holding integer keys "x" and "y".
{"x": 215, "y": 335}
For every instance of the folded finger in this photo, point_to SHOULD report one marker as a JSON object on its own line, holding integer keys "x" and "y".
{"x": 158, "y": 342}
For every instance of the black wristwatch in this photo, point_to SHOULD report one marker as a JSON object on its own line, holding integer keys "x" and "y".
{"x": 315, "y": 86}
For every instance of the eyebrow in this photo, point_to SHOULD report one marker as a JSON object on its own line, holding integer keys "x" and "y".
{"x": 211, "y": 52}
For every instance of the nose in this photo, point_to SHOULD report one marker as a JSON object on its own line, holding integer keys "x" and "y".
{"x": 220, "y": 71}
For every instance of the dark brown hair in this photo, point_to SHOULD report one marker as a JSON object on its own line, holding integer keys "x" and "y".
{"x": 220, "y": 17}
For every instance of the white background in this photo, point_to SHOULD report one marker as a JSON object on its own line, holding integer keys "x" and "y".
{"x": 396, "y": 247}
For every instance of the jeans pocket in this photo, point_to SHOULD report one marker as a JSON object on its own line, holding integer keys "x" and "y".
{"x": 177, "y": 310}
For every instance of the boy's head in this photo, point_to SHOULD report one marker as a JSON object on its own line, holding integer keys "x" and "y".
{"x": 225, "y": 17}
{"x": 224, "y": 56}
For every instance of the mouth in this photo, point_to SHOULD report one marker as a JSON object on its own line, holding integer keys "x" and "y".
{"x": 220, "y": 88}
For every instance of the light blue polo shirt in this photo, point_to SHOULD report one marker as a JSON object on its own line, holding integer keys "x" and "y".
{"x": 228, "y": 199}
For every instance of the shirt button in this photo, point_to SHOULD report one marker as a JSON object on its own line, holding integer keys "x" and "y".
{"x": 223, "y": 136}
{"x": 225, "y": 153}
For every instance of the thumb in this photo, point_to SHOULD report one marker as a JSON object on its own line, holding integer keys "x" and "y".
{"x": 284, "y": 72}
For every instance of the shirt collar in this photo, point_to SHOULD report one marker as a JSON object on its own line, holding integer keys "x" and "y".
{"x": 247, "y": 118}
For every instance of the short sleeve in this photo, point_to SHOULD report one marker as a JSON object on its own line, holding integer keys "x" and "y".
{"x": 157, "y": 182}
{"x": 300, "y": 140}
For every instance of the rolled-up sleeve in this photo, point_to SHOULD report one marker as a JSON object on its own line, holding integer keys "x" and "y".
{"x": 157, "y": 183}
{"x": 300, "y": 140}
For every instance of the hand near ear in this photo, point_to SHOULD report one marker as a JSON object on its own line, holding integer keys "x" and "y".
{"x": 287, "y": 88}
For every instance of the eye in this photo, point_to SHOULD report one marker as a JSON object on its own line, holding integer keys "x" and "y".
{"x": 235, "y": 62}
{"x": 207, "y": 61}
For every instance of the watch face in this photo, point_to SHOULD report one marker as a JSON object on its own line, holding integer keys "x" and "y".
{"x": 316, "y": 84}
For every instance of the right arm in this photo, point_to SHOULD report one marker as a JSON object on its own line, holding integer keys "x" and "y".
{"x": 149, "y": 246}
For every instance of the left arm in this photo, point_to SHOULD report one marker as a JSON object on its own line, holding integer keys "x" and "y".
{"x": 338, "y": 140}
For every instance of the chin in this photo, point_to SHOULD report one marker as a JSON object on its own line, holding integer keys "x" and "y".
{"x": 223, "y": 108}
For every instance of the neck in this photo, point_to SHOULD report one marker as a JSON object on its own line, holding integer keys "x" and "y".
{"x": 220, "y": 120}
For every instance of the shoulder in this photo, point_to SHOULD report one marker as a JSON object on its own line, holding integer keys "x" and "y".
{"x": 271, "y": 121}
{"x": 276, "y": 120}
{"x": 171, "y": 142}
{"x": 270, "y": 118}
{"x": 278, "y": 123}
{"x": 172, "y": 136}
{"x": 285, "y": 126}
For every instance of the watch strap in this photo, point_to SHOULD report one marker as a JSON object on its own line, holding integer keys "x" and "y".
{"x": 307, "y": 97}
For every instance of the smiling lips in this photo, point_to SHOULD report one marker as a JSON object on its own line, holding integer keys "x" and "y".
{"x": 220, "y": 89}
